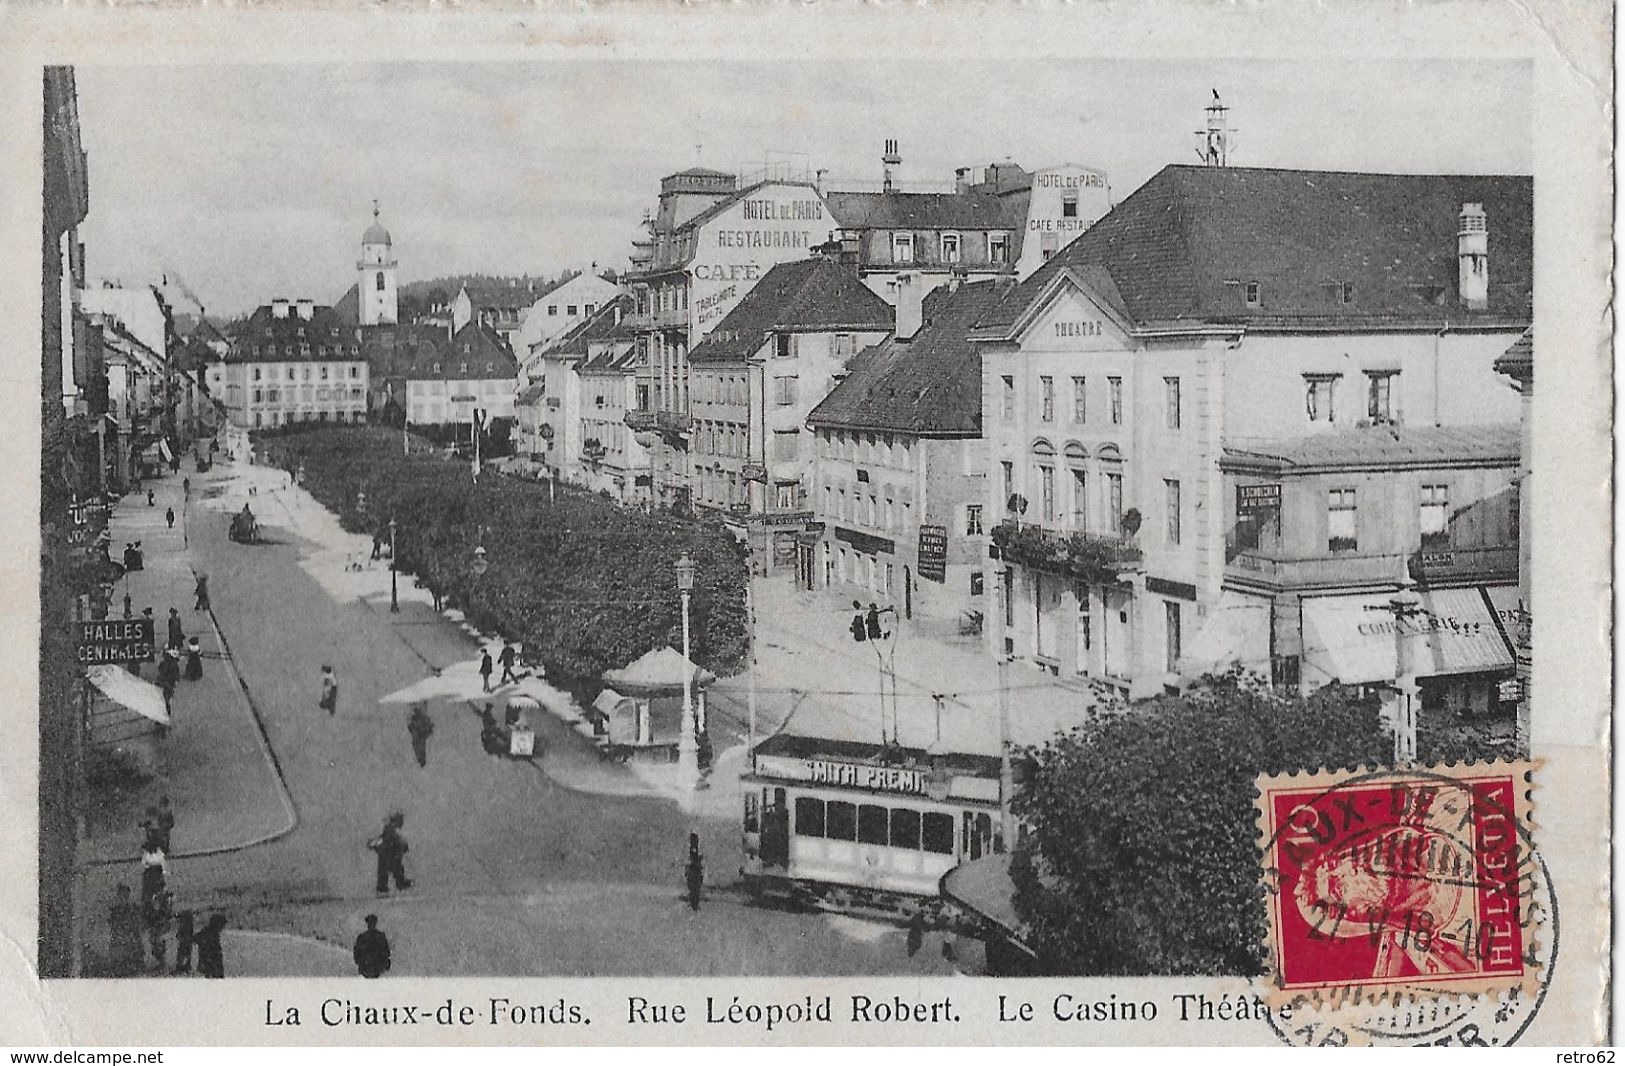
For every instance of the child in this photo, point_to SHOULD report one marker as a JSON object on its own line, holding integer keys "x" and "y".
{"x": 330, "y": 691}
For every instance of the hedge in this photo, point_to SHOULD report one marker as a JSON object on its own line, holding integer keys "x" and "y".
{"x": 1142, "y": 855}
{"x": 586, "y": 585}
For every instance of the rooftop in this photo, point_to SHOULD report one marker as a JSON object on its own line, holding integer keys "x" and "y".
{"x": 295, "y": 337}
{"x": 815, "y": 294}
{"x": 1519, "y": 360}
{"x": 970, "y": 210}
{"x": 1328, "y": 249}
{"x": 930, "y": 385}
{"x": 1379, "y": 447}
{"x": 605, "y": 324}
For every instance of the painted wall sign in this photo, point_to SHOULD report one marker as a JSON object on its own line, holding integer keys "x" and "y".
{"x": 1258, "y": 498}
{"x": 843, "y": 774}
{"x": 738, "y": 247}
{"x": 1182, "y": 590}
{"x": 1078, "y": 329}
{"x": 115, "y": 640}
{"x": 933, "y": 560}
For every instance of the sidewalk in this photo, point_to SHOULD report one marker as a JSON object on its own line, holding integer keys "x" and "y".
{"x": 213, "y": 763}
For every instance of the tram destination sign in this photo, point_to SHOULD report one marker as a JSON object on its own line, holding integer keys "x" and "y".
{"x": 115, "y": 640}
{"x": 844, "y": 774}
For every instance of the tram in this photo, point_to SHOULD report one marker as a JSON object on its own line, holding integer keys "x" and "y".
{"x": 844, "y": 825}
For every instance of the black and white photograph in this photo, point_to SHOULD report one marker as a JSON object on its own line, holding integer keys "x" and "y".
{"x": 945, "y": 523}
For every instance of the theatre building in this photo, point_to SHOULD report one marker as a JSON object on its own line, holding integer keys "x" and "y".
{"x": 1234, "y": 355}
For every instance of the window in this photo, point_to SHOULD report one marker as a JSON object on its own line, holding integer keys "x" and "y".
{"x": 1114, "y": 501}
{"x": 1347, "y": 292}
{"x": 290, "y": 373}
{"x": 1046, "y": 495}
{"x": 1170, "y": 500}
{"x": 1049, "y": 244}
{"x": 256, "y": 373}
{"x": 1069, "y": 204}
{"x": 905, "y": 829}
{"x": 1318, "y": 391}
{"x": 845, "y": 345}
{"x": 1114, "y": 386}
{"x": 355, "y": 372}
{"x": 977, "y": 583}
{"x": 1435, "y": 516}
{"x": 785, "y": 496}
{"x": 998, "y": 247}
{"x": 571, "y": 310}
{"x": 782, "y": 346}
{"x": 937, "y": 832}
{"x": 1380, "y": 395}
{"x": 1255, "y": 294}
{"x": 809, "y": 816}
{"x": 378, "y": 282}
{"x": 1046, "y": 398}
{"x": 552, "y": 309}
{"x": 1009, "y": 393}
{"x": 1080, "y": 499}
{"x": 590, "y": 308}
{"x": 1341, "y": 512}
{"x": 1009, "y": 470}
{"x": 786, "y": 443}
{"x": 784, "y": 390}
{"x": 1170, "y": 388}
{"x": 257, "y": 396}
{"x": 257, "y": 422}
{"x": 902, "y": 247}
{"x": 950, "y": 247}
{"x": 872, "y": 824}
{"x": 1080, "y": 400}
{"x": 973, "y": 520}
{"x": 1171, "y": 608}
{"x": 324, "y": 373}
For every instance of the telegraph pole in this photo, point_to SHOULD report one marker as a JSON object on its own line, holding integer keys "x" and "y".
{"x": 1402, "y": 607}
{"x": 1007, "y": 817}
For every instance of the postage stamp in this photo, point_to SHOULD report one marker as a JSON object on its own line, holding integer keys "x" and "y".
{"x": 1401, "y": 883}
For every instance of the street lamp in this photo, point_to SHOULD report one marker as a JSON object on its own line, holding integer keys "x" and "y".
{"x": 394, "y": 569}
{"x": 688, "y": 747}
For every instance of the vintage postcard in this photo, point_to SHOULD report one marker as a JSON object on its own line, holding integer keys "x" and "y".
{"x": 817, "y": 524}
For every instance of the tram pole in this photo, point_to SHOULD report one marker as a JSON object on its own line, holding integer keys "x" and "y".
{"x": 750, "y": 693}
{"x": 1007, "y": 818}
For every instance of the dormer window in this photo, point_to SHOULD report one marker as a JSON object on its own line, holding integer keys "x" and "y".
{"x": 1255, "y": 294}
{"x": 435, "y": 369}
{"x": 463, "y": 369}
{"x": 490, "y": 367}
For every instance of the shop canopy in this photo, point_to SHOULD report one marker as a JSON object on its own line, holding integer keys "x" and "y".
{"x": 1358, "y": 639}
{"x": 1236, "y": 632}
{"x": 127, "y": 690}
{"x": 659, "y": 672}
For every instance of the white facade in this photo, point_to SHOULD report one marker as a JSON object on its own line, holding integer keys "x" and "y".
{"x": 1065, "y": 200}
{"x": 561, "y": 310}
{"x": 137, "y": 310}
{"x": 264, "y": 395}
{"x": 431, "y": 401}
{"x": 606, "y": 396}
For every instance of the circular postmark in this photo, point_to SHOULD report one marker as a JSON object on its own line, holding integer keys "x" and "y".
{"x": 1406, "y": 907}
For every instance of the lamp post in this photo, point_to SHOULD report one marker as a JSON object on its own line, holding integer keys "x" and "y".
{"x": 394, "y": 569}
{"x": 688, "y": 747}
{"x": 1403, "y": 606}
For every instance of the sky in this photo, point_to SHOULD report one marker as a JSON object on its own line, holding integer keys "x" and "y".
{"x": 243, "y": 183}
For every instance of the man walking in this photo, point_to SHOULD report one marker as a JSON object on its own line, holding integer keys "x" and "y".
{"x": 330, "y": 691}
{"x": 485, "y": 669}
{"x": 202, "y": 603}
{"x": 391, "y": 847}
{"x": 169, "y": 516}
{"x": 506, "y": 659}
{"x": 421, "y": 726}
{"x": 694, "y": 871}
{"x": 210, "y": 959}
{"x": 163, "y": 823}
{"x": 372, "y": 950}
{"x": 177, "y": 635}
{"x": 169, "y": 675}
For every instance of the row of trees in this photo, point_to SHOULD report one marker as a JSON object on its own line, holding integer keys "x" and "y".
{"x": 585, "y": 584}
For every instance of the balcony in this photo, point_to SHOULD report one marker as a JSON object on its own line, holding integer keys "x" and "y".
{"x": 1087, "y": 557}
{"x": 673, "y": 422}
{"x": 641, "y": 420}
{"x": 1271, "y": 568}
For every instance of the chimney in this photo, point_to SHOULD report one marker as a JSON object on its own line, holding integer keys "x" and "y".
{"x": 910, "y": 305}
{"x": 962, "y": 180}
{"x": 890, "y": 158}
{"x": 818, "y": 179}
{"x": 1473, "y": 257}
{"x": 307, "y": 309}
{"x": 279, "y": 308}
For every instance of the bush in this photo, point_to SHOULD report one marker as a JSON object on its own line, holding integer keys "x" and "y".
{"x": 585, "y": 584}
{"x": 1142, "y": 856}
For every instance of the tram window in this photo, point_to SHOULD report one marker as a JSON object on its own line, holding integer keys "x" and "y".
{"x": 843, "y": 821}
{"x": 809, "y": 816}
{"x": 871, "y": 824}
{"x": 937, "y": 832}
{"x": 905, "y": 829}
{"x": 750, "y": 812}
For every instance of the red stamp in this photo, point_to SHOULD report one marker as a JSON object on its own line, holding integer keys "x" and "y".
{"x": 1398, "y": 881}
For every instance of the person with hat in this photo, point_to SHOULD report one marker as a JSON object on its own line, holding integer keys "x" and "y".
{"x": 169, "y": 675}
{"x": 169, "y": 516}
{"x": 210, "y": 959}
{"x": 194, "y": 660}
{"x": 372, "y": 950}
{"x": 177, "y": 634}
{"x": 391, "y": 849}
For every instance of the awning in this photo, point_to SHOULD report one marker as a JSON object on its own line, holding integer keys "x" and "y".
{"x": 163, "y": 449}
{"x": 1357, "y": 639}
{"x": 127, "y": 690}
{"x": 1512, "y": 611}
{"x": 1236, "y": 632}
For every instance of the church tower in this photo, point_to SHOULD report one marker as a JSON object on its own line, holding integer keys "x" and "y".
{"x": 376, "y": 284}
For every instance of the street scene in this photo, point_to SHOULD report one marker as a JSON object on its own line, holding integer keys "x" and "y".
{"x": 897, "y": 556}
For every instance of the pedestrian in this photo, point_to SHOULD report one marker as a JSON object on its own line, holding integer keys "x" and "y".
{"x": 152, "y": 498}
{"x": 127, "y": 605}
{"x": 421, "y": 726}
{"x": 377, "y": 544}
{"x": 210, "y": 960}
{"x": 164, "y": 820}
{"x": 391, "y": 848}
{"x": 372, "y": 950}
{"x": 177, "y": 635}
{"x": 490, "y": 738}
{"x": 194, "y": 660}
{"x": 154, "y": 871}
{"x": 185, "y": 931}
{"x": 916, "y": 932}
{"x": 169, "y": 675}
{"x": 186, "y": 486}
{"x": 485, "y": 669}
{"x": 506, "y": 659}
{"x": 140, "y": 557}
{"x": 169, "y": 516}
{"x": 124, "y": 934}
{"x": 156, "y": 914}
{"x": 694, "y": 871}
{"x": 152, "y": 838}
{"x": 330, "y": 691}
{"x": 202, "y": 593}
{"x": 435, "y": 592}
{"x": 129, "y": 557}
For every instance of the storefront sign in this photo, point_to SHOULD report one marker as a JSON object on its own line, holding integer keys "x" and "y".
{"x": 1258, "y": 498}
{"x": 933, "y": 561}
{"x": 115, "y": 640}
{"x": 866, "y": 542}
{"x": 754, "y": 472}
{"x": 1182, "y": 590}
{"x": 843, "y": 774}
{"x": 1078, "y": 329}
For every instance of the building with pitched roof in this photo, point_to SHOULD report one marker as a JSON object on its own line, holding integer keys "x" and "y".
{"x": 612, "y": 459}
{"x": 554, "y": 414}
{"x": 754, "y": 378}
{"x": 562, "y": 308}
{"x": 293, "y": 361}
{"x": 391, "y": 352}
{"x": 446, "y": 384}
{"x": 1220, "y": 312}
{"x": 498, "y": 307}
{"x": 898, "y": 484}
